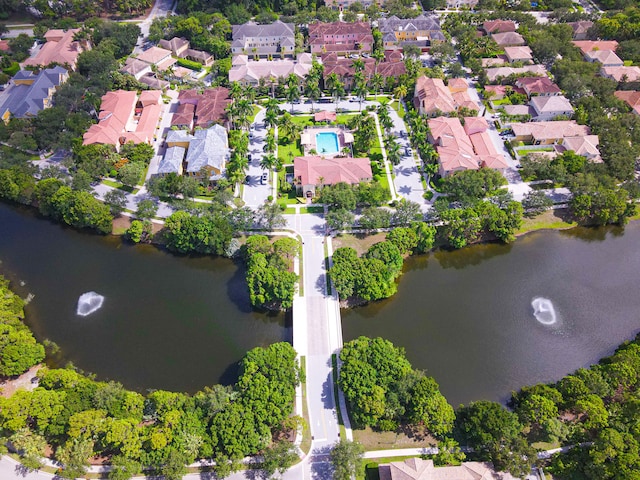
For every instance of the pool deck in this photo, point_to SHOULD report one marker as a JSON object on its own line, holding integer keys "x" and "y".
{"x": 309, "y": 140}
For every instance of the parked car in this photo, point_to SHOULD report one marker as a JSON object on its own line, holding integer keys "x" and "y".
{"x": 264, "y": 179}
{"x": 249, "y": 156}
{"x": 407, "y": 151}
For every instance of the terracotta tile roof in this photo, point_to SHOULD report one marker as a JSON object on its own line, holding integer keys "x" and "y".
{"x": 632, "y": 74}
{"x": 538, "y": 86}
{"x": 343, "y": 67}
{"x": 60, "y": 49}
{"x": 418, "y": 469}
{"x": 499, "y": 26}
{"x": 457, "y": 83}
{"x": 322, "y": 35}
{"x": 116, "y": 119}
{"x": 495, "y": 73}
{"x": 432, "y": 95}
{"x": 492, "y": 62}
{"x": 210, "y": 105}
{"x": 4, "y": 46}
{"x": 324, "y": 116}
{"x": 474, "y": 125}
{"x": 154, "y": 55}
{"x": 521, "y": 53}
{"x": 184, "y": 115}
{"x": 176, "y": 44}
{"x": 606, "y": 57}
{"x": 150, "y": 97}
{"x": 549, "y": 130}
{"x": 252, "y": 72}
{"x": 308, "y": 170}
{"x": 581, "y": 27}
{"x": 153, "y": 82}
{"x": 586, "y": 145}
{"x": 508, "y": 39}
{"x": 632, "y": 98}
{"x": 590, "y": 45}
{"x": 135, "y": 67}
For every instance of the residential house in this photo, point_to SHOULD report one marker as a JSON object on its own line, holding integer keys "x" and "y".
{"x": 463, "y": 148}
{"x": 580, "y": 29}
{"x": 207, "y": 151}
{"x": 345, "y": 4}
{"x": 457, "y": 85}
{"x": 313, "y": 171}
{"x": 631, "y": 97}
{"x": 495, "y": 74}
{"x": 207, "y": 108}
{"x": 433, "y": 98}
{"x": 496, "y": 92}
{"x": 124, "y": 117}
{"x": 516, "y": 112}
{"x": 180, "y": 47}
{"x": 59, "y": 48}
{"x": 418, "y": 469}
{"x": 340, "y": 37}
{"x": 498, "y": 26}
{"x": 136, "y": 68}
{"x": 420, "y": 31}
{"x": 172, "y": 161}
{"x": 462, "y": 3}
{"x": 621, "y": 74}
{"x": 392, "y": 66}
{"x": 324, "y": 116}
{"x": 551, "y": 107}
{"x": 160, "y": 57}
{"x": 264, "y": 41}
{"x": 585, "y": 145}
{"x": 249, "y": 73}
{"x": 548, "y": 133}
{"x": 492, "y": 62}
{"x": 586, "y": 46}
{"x": 538, "y": 86}
{"x": 518, "y": 54}
{"x": 29, "y": 93}
{"x": 508, "y": 39}
{"x": 607, "y": 58}
{"x": 154, "y": 83}
{"x": 184, "y": 116}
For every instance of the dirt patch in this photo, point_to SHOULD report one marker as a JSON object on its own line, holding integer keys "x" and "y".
{"x": 360, "y": 242}
{"x": 404, "y": 437}
{"x": 26, "y": 381}
{"x": 120, "y": 224}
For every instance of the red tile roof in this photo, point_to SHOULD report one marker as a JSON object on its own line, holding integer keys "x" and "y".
{"x": 497, "y": 26}
{"x": 210, "y": 105}
{"x": 308, "y": 170}
{"x": 184, "y": 115}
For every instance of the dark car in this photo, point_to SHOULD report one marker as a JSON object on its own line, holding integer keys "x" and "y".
{"x": 264, "y": 178}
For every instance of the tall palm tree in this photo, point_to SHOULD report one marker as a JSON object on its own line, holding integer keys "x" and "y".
{"x": 313, "y": 92}
{"x": 376, "y": 83}
{"x": 268, "y": 162}
{"x": 393, "y": 150}
{"x": 336, "y": 87}
{"x": 358, "y": 65}
{"x": 400, "y": 91}
{"x": 235, "y": 91}
{"x": 293, "y": 94}
{"x": 384, "y": 117}
{"x": 270, "y": 142}
{"x": 360, "y": 87}
{"x": 244, "y": 109}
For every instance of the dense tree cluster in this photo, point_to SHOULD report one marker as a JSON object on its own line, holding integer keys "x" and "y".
{"x": 19, "y": 351}
{"x": 164, "y": 431}
{"x": 270, "y": 276}
{"x": 383, "y": 390}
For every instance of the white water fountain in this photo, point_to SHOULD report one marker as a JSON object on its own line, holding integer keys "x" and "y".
{"x": 88, "y": 303}
{"x": 544, "y": 311}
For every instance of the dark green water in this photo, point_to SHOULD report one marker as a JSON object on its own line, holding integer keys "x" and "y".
{"x": 466, "y": 316}
{"x": 167, "y": 322}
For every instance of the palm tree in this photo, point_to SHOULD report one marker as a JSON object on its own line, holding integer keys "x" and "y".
{"x": 270, "y": 142}
{"x": 244, "y": 109}
{"x": 384, "y": 117}
{"x": 393, "y": 150}
{"x": 358, "y": 65}
{"x": 268, "y": 162}
{"x": 360, "y": 87}
{"x": 313, "y": 91}
{"x": 270, "y": 118}
{"x": 293, "y": 94}
{"x": 376, "y": 83}
{"x": 236, "y": 91}
{"x": 336, "y": 87}
{"x": 400, "y": 91}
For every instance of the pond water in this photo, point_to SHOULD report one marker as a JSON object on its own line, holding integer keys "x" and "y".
{"x": 166, "y": 321}
{"x": 489, "y": 319}
{"x": 483, "y": 320}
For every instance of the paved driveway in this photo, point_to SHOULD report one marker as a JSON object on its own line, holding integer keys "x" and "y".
{"x": 255, "y": 193}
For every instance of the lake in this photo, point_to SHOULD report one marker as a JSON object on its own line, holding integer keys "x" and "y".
{"x": 167, "y": 322}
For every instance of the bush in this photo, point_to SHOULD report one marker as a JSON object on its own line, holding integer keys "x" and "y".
{"x": 190, "y": 64}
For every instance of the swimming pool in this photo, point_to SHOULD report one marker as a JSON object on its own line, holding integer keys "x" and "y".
{"x": 327, "y": 143}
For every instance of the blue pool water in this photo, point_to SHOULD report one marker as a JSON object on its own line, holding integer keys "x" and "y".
{"x": 327, "y": 143}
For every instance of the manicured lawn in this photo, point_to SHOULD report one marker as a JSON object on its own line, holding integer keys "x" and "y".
{"x": 304, "y": 120}
{"x": 401, "y": 438}
{"x": 550, "y": 220}
{"x": 120, "y": 186}
{"x": 305, "y": 446}
{"x": 287, "y": 153}
{"x": 398, "y": 107}
{"x": 359, "y": 242}
{"x": 502, "y": 101}
{"x": 289, "y": 197}
{"x": 256, "y": 109}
